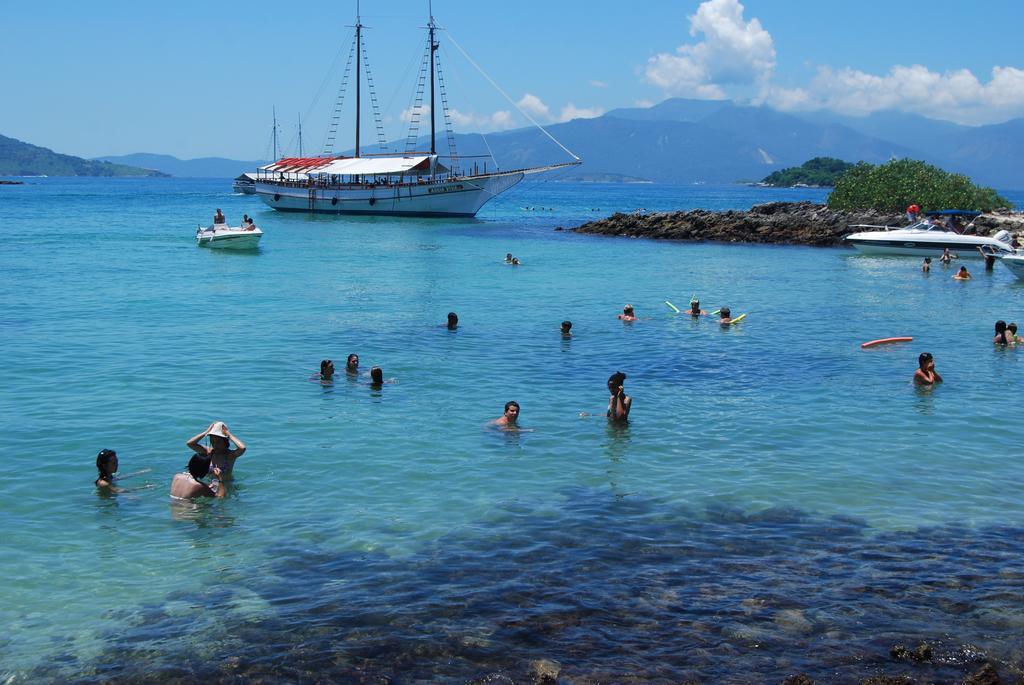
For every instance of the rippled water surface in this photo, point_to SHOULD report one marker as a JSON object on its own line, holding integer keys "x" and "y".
{"x": 781, "y": 501}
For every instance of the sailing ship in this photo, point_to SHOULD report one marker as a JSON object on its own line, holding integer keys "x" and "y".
{"x": 413, "y": 183}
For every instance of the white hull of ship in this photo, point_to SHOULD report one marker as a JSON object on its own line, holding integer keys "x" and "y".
{"x": 459, "y": 197}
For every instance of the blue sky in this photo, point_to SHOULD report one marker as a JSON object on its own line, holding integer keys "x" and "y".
{"x": 196, "y": 79}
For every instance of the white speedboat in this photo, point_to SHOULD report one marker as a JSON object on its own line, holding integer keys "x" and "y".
{"x": 224, "y": 237}
{"x": 1015, "y": 263}
{"x": 929, "y": 238}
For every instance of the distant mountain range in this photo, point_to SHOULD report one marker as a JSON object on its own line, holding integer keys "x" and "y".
{"x": 203, "y": 167}
{"x": 23, "y": 159}
{"x": 693, "y": 141}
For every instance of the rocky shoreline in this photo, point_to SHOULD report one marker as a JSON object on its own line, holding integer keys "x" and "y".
{"x": 786, "y": 223}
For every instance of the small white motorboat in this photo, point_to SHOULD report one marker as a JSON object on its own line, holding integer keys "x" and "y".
{"x": 928, "y": 238}
{"x": 1015, "y": 263}
{"x": 224, "y": 237}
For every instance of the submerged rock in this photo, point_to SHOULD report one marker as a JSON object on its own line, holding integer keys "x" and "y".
{"x": 921, "y": 653}
{"x": 798, "y": 679}
{"x": 792, "y": 223}
{"x": 545, "y": 671}
{"x": 986, "y": 675}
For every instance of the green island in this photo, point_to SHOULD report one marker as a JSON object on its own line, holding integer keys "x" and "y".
{"x": 820, "y": 171}
{"x": 18, "y": 158}
{"x": 895, "y": 185}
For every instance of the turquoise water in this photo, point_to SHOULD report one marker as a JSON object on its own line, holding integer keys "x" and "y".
{"x": 357, "y": 508}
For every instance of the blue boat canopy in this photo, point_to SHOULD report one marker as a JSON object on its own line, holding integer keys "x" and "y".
{"x": 952, "y": 212}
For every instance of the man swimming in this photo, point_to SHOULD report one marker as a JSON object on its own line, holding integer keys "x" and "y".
{"x": 567, "y": 329}
{"x": 695, "y": 309}
{"x": 627, "y": 313}
{"x": 725, "y": 315}
{"x": 510, "y": 419}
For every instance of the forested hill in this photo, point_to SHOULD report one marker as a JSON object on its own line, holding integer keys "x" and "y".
{"x": 23, "y": 159}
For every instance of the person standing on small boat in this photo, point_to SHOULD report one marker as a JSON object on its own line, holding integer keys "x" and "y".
{"x": 219, "y": 451}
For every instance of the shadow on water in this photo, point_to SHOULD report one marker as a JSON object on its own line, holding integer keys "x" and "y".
{"x": 612, "y": 589}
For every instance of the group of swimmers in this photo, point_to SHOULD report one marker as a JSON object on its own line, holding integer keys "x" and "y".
{"x": 947, "y": 257}
{"x": 216, "y": 459}
{"x": 1006, "y": 334}
{"x": 725, "y": 317}
{"x": 509, "y": 259}
{"x": 326, "y": 374}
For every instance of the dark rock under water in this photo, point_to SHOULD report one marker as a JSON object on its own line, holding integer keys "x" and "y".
{"x": 608, "y": 589}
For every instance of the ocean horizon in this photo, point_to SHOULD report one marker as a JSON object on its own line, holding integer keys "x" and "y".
{"x": 780, "y": 502}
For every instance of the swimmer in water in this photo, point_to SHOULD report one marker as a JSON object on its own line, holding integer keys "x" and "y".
{"x": 326, "y": 371}
{"x": 508, "y": 257}
{"x": 946, "y": 257}
{"x": 695, "y": 309}
{"x": 106, "y": 463}
{"x": 726, "y": 316}
{"x": 376, "y": 377}
{"x": 510, "y": 419}
{"x": 219, "y": 451}
{"x": 627, "y": 313}
{"x": 566, "y": 329}
{"x": 619, "y": 403}
{"x": 962, "y": 274}
{"x": 453, "y": 321}
{"x": 352, "y": 364}
{"x": 1003, "y": 334}
{"x": 515, "y": 261}
{"x": 926, "y": 373}
{"x": 189, "y": 483}
{"x": 1012, "y": 328}
{"x": 926, "y": 265}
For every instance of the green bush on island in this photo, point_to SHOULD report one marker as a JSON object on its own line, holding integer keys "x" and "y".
{"x": 894, "y": 186}
{"x": 820, "y": 171}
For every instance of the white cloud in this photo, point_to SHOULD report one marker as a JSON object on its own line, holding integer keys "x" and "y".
{"x": 598, "y": 84}
{"x": 571, "y": 111}
{"x": 534, "y": 106}
{"x": 732, "y": 52}
{"x": 954, "y": 95}
{"x": 496, "y": 121}
{"x": 643, "y": 103}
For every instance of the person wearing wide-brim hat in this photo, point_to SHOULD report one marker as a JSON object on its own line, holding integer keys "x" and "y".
{"x": 219, "y": 451}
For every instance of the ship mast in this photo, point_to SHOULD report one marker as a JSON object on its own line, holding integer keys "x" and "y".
{"x": 359, "y": 59}
{"x": 300, "y": 135}
{"x": 433, "y": 47}
{"x": 275, "y": 134}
